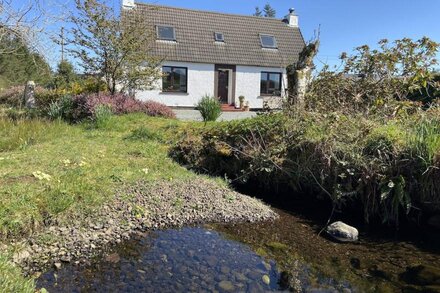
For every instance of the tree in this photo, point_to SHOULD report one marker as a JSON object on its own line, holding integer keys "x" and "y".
{"x": 269, "y": 11}
{"x": 19, "y": 63}
{"x": 113, "y": 49}
{"x": 18, "y": 22}
{"x": 258, "y": 12}
{"x": 373, "y": 80}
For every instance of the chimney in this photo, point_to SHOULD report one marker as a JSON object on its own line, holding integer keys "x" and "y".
{"x": 128, "y": 4}
{"x": 291, "y": 19}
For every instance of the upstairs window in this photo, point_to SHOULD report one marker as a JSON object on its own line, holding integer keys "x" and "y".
{"x": 174, "y": 79}
{"x": 219, "y": 37}
{"x": 268, "y": 41}
{"x": 270, "y": 84}
{"x": 166, "y": 33}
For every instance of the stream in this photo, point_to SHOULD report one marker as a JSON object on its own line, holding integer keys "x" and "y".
{"x": 245, "y": 257}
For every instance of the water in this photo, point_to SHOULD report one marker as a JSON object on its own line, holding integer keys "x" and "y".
{"x": 193, "y": 259}
{"x": 249, "y": 257}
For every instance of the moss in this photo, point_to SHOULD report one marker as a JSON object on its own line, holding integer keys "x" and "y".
{"x": 277, "y": 246}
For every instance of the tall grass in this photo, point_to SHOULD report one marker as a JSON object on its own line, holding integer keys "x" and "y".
{"x": 23, "y": 133}
{"x": 209, "y": 108}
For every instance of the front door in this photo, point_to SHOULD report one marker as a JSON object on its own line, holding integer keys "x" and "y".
{"x": 223, "y": 86}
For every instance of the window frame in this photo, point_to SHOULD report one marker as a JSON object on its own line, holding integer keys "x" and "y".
{"x": 275, "y": 44}
{"x": 166, "y": 39}
{"x": 172, "y": 82}
{"x": 217, "y": 40}
{"x": 277, "y": 92}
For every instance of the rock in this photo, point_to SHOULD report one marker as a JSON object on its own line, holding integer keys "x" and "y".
{"x": 226, "y": 286}
{"x": 113, "y": 258}
{"x": 21, "y": 256}
{"x": 284, "y": 281}
{"x": 342, "y": 232}
{"x": 266, "y": 279}
{"x": 434, "y": 222}
{"x": 423, "y": 275}
{"x": 57, "y": 265}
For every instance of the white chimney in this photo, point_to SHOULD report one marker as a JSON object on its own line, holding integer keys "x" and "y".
{"x": 292, "y": 19}
{"x": 128, "y": 4}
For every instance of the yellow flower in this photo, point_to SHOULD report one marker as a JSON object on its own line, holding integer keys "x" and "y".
{"x": 82, "y": 164}
{"x": 66, "y": 162}
{"x": 145, "y": 170}
{"x": 42, "y": 176}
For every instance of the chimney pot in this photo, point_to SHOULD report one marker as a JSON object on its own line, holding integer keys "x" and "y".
{"x": 292, "y": 19}
{"x": 128, "y": 4}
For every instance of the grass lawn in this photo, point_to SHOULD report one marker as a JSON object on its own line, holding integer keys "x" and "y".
{"x": 53, "y": 170}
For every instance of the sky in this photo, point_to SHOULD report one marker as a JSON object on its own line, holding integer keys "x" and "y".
{"x": 344, "y": 24}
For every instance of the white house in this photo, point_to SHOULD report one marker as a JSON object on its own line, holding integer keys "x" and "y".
{"x": 218, "y": 54}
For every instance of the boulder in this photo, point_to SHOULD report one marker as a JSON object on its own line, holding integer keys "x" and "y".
{"x": 342, "y": 232}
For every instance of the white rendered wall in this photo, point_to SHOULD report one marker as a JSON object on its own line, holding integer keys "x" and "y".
{"x": 248, "y": 83}
{"x": 200, "y": 83}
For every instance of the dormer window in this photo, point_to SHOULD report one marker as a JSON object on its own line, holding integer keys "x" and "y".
{"x": 268, "y": 41}
{"x": 219, "y": 37}
{"x": 166, "y": 33}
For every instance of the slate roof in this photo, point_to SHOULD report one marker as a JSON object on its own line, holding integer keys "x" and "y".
{"x": 195, "y": 29}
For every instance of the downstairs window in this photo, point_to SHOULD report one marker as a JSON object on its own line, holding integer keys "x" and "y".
{"x": 174, "y": 79}
{"x": 270, "y": 84}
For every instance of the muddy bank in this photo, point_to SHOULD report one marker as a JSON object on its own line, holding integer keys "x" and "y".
{"x": 137, "y": 208}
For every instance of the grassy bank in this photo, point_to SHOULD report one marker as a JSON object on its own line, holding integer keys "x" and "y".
{"x": 385, "y": 167}
{"x": 53, "y": 171}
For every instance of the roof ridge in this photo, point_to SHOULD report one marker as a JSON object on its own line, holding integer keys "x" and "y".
{"x": 212, "y": 12}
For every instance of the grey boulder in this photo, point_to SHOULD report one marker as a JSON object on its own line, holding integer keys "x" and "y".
{"x": 342, "y": 232}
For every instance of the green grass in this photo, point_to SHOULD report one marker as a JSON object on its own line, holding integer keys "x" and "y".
{"x": 11, "y": 280}
{"x": 56, "y": 170}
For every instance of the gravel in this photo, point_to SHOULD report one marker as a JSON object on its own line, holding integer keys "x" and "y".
{"x": 135, "y": 210}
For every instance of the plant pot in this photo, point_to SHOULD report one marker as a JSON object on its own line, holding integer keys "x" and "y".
{"x": 246, "y": 108}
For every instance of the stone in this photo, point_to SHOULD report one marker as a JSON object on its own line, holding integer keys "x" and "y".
{"x": 20, "y": 256}
{"x": 29, "y": 95}
{"x": 57, "y": 265}
{"x": 266, "y": 279}
{"x": 226, "y": 286}
{"x": 342, "y": 232}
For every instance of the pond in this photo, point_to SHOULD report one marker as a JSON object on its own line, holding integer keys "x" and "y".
{"x": 247, "y": 257}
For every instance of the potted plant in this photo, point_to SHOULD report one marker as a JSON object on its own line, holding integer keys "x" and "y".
{"x": 241, "y": 99}
{"x": 246, "y": 106}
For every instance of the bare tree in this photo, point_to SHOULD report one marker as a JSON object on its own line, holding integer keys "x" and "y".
{"x": 18, "y": 20}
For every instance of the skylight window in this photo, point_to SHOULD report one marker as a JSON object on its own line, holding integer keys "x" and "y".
{"x": 166, "y": 33}
{"x": 219, "y": 37}
{"x": 268, "y": 41}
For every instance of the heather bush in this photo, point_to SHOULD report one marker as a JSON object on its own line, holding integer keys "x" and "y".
{"x": 155, "y": 109}
{"x": 85, "y": 106}
{"x": 14, "y": 96}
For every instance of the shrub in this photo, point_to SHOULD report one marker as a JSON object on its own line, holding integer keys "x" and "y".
{"x": 103, "y": 114}
{"x": 85, "y": 106}
{"x": 61, "y": 109}
{"x": 14, "y": 96}
{"x": 156, "y": 109}
{"x": 209, "y": 108}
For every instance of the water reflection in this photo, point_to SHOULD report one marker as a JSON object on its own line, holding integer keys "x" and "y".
{"x": 185, "y": 260}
